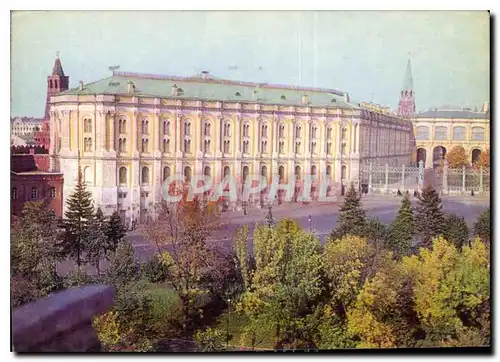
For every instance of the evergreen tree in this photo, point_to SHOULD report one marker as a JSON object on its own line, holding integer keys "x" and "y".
{"x": 352, "y": 219}
{"x": 78, "y": 217}
{"x": 97, "y": 244}
{"x": 482, "y": 226}
{"x": 123, "y": 266}
{"x": 457, "y": 231}
{"x": 401, "y": 234}
{"x": 115, "y": 231}
{"x": 429, "y": 218}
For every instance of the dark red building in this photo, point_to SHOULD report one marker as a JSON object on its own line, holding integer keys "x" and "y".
{"x": 31, "y": 180}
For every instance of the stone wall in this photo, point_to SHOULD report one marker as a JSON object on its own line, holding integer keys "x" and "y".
{"x": 61, "y": 322}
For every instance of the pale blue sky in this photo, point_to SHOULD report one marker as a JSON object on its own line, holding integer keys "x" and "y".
{"x": 363, "y": 53}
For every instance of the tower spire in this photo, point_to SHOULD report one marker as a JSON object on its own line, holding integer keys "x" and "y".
{"x": 407, "y": 98}
{"x": 408, "y": 82}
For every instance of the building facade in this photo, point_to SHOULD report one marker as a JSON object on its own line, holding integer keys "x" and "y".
{"x": 24, "y": 126}
{"x": 31, "y": 180}
{"x": 438, "y": 131}
{"x": 131, "y": 131}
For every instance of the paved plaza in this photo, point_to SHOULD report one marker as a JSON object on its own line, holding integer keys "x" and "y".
{"x": 324, "y": 216}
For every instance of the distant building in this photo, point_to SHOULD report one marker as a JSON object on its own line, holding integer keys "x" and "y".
{"x": 23, "y": 130}
{"x": 129, "y": 132}
{"x": 437, "y": 131}
{"x": 31, "y": 180}
{"x": 407, "y": 106}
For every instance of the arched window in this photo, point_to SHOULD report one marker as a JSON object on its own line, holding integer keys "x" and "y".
{"x": 187, "y": 128}
{"x": 34, "y": 193}
{"x": 328, "y": 171}
{"x": 166, "y": 172}
{"x": 87, "y": 144}
{"x": 187, "y": 174}
{"x": 314, "y": 131}
{"x": 166, "y": 128}
{"x": 14, "y": 193}
{"x": 50, "y": 84}
{"x": 263, "y": 172}
{"x": 145, "y": 145}
{"x": 145, "y": 175}
{"x": 227, "y": 130}
{"x": 422, "y": 133}
{"x": 297, "y": 131}
{"x": 440, "y": 133}
{"x": 344, "y": 172}
{"x": 313, "y": 171}
{"x": 297, "y": 172}
{"x": 478, "y": 133}
{"x": 122, "y": 144}
{"x": 55, "y": 82}
{"x": 87, "y": 125}
{"x": 207, "y": 128}
{"x": 264, "y": 130}
{"x": 122, "y": 125}
{"x": 281, "y": 173}
{"x": 344, "y": 133}
{"x": 166, "y": 145}
{"x": 207, "y": 171}
{"x": 227, "y": 171}
{"x": 329, "y": 132}
{"x": 122, "y": 176}
{"x": 145, "y": 126}
{"x": 282, "y": 131}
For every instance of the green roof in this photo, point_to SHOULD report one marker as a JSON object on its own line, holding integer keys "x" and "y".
{"x": 212, "y": 89}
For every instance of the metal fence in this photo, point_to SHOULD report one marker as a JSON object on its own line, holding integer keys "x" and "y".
{"x": 389, "y": 179}
{"x": 385, "y": 179}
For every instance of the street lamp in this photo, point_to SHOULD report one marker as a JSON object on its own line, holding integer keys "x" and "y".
{"x": 310, "y": 223}
{"x": 227, "y": 322}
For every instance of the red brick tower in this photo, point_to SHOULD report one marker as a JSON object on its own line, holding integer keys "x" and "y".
{"x": 56, "y": 82}
{"x": 407, "y": 98}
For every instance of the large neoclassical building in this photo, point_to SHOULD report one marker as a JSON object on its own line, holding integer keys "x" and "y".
{"x": 129, "y": 132}
{"x": 438, "y": 131}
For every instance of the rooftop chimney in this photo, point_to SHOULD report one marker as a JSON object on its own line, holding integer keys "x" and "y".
{"x": 80, "y": 85}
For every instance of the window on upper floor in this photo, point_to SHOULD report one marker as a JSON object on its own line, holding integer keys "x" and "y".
{"x": 281, "y": 147}
{"x": 459, "y": 133}
{"x": 227, "y": 130}
{"x": 166, "y": 128}
{"x": 246, "y": 130}
{"x": 298, "y": 130}
{"x": 297, "y": 147}
{"x": 207, "y": 146}
{"x": 264, "y": 131}
{"x": 478, "y": 133}
{"x": 329, "y": 148}
{"x": 226, "y": 146}
{"x": 245, "y": 147}
{"x": 122, "y": 125}
{"x": 281, "y": 131}
{"x": 144, "y": 145}
{"x": 166, "y": 146}
{"x": 52, "y": 192}
{"x": 145, "y": 127}
{"x": 87, "y": 125}
{"x": 440, "y": 133}
{"x": 264, "y": 146}
{"x": 166, "y": 172}
{"x": 207, "y": 129}
{"x": 122, "y": 145}
{"x": 329, "y": 133}
{"x": 34, "y": 193}
{"x": 422, "y": 133}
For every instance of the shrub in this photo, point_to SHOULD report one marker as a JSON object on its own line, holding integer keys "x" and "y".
{"x": 210, "y": 340}
{"x": 155, "y": 270}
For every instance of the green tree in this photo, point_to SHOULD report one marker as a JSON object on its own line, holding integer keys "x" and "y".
{"x": 78, "y": 216}
{"x": 352, "y": 219}
{"x": 401, "y": 232}
{"x": 346, "y": 261}
{"x": 97, "y": 243}
{"x": 429, "y": 218}
{"x": 240, "y": 246}
{"x": 482, "y": 226}
{"x": 287, "y": 280}
{"x": 115, "y": 231}
{"x": 210, "y": 340}
{"x": 457, "y": 231}
{"x": 377, "y": 233}
{"x": 34, "y": 251}
{"x": 155, "y": 269}
{"x": 123, "y": 266}
{"x": 186, "y": 226}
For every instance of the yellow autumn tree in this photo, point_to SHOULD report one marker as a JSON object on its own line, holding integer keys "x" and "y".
{"x": 484, "y": 159}
{"x": 457, "y": 157}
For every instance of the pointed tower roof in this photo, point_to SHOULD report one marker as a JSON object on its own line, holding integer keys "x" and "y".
{"x": 58, "y": 69}
{"x": 408, "y": 82}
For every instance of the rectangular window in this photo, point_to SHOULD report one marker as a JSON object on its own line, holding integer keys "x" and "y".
{"x": 34, "y": 194}
{"x": 53, "y": 192}
{"x": 440, "y": 133}
{"x": 478, "y": 134}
